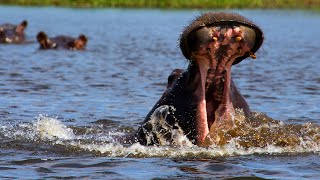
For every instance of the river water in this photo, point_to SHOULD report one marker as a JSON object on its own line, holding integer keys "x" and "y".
{"x": 60, "y": 110}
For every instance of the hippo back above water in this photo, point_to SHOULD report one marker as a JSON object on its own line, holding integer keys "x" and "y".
{"x": 10, "y": 33}
{"x": 61, "y": 42}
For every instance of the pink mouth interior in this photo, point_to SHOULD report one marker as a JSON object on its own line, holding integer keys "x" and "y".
{"x": 214, "y": 60}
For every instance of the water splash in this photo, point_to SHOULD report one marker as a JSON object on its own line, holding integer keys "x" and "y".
{"x": 261, "y": 131}
{"x": 260, "y": 134}
{"x": 162, "y": 132}
{"x": 52, "y": 128}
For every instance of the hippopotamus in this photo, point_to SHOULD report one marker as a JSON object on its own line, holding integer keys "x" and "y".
{"x": 203, "y": 97}
{"x": 10, "y": 33}
{"x": 62, "y": 41}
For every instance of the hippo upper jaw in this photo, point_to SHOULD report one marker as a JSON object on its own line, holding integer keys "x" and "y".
{"x": 214, "y": 50}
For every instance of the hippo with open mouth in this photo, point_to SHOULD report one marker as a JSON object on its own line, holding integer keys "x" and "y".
{"x": 10, "y": 33}
{"x": 203, "y": 96}
{"x": 62, "y": 41}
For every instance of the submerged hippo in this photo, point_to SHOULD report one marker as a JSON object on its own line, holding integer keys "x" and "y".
{"x": 62, "y": 41}
{"x": 203, "y": 96}
{"x": 10, "y": 33}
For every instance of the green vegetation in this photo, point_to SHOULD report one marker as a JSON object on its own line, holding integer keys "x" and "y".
{"x": 207, "y": 4}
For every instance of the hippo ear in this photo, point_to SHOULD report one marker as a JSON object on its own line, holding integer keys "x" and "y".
{"x": 41, "y": 36}
{"x": 79, "y": 43}
{"x": 42, "y": 39}
{"x": 20, "y": 28}
{"x": 83, "y": 38}
{"x": 24, "y": 23}
{"x": 2, "y": 35}
{"x": 1, "y": 32}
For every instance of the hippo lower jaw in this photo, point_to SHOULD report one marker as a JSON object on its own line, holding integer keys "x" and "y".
{"x": 218, "y": 48}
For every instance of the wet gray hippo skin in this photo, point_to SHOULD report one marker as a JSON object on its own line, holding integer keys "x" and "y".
{"x": 61, "y": 42}
{"x": 10, "y": 33}
{"x": 203, "y": 96}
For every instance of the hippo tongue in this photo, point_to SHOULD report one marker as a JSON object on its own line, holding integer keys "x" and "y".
{"x": 224, "y": 115}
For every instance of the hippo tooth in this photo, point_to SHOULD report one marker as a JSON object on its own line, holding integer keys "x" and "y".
{"x": 252, "y": 55}
{"x": 238, "y": 38}
{"x": 215, "y": 38}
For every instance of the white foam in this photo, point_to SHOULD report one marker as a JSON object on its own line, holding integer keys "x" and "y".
{"x": 51, "y": 128}
{"x": 230, "y": 149}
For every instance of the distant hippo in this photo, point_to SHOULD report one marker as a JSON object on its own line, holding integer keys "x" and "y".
{"x": 10, "y": 33}
{"x": 203, "y": 96}
{"x": 62, "y": 41}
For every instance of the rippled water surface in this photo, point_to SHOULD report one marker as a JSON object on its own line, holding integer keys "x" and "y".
{"x": 60, "y": 111}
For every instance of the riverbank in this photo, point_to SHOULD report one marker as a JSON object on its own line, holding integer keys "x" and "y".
{"x": 173, "y": 4}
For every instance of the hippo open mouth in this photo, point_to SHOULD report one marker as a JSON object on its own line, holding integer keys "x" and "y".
{"x": 214, "y": 50}
{"x": 204, "y": 95}
{"x": 223, "y": 39}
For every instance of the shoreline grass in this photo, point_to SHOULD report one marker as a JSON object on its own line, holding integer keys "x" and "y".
{"x": 172, "y": 4}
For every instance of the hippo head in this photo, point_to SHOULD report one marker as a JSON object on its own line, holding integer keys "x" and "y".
{"x": 65, "y": 42}
{"x": 202, "y": 99}
{"x": 45, "y": 42}
{"x": 79, "y": 43}
{"x": 13, "y": 33}
{"x": 212, "y": 43}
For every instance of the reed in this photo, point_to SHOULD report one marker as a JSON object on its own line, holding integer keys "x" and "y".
{"x": 176, "y": 4}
